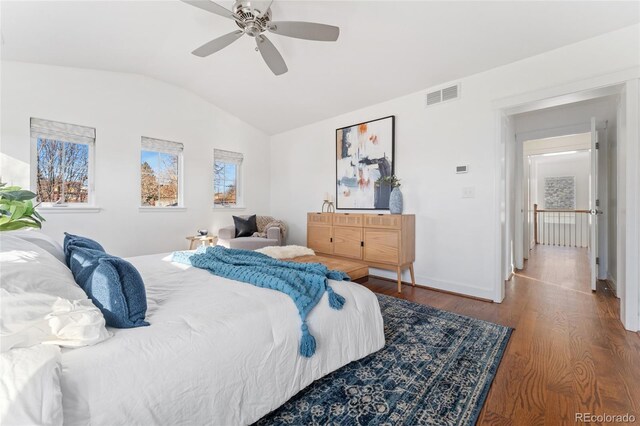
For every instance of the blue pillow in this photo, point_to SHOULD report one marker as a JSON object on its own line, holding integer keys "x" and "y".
{"x": 113, "y": 284}
{"x": 78, "y": 241}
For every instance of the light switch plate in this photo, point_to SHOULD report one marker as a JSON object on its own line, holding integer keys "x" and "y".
{"x": 469, "y": 192}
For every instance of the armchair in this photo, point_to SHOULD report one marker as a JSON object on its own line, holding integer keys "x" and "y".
{"x": 227, "y": 238}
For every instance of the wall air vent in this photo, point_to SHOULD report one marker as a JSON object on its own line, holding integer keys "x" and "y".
{"x": 443, "y": 95}
{"x": 434, "y": 97}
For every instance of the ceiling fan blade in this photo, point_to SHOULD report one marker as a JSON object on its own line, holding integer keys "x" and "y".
{"x": 266, "y": 9}
{"x": 305, "y": 30}
{"x": 217, "y": 44}
{"x": 271, "y": 55}
{"x": 212, "y": 7}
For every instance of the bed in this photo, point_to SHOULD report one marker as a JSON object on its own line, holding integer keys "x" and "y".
{"x": 217, "y": 351}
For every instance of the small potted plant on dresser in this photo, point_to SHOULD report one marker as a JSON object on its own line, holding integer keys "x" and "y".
{"x": 395, "y": 198}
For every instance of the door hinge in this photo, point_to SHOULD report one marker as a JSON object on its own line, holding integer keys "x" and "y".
{"x": 597, "y": 260}
{"x": 597, "y": 145}
{"x": 597, "y": 203}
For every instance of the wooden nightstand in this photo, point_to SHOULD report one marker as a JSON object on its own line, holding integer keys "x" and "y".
{"x": 193, "y": 241}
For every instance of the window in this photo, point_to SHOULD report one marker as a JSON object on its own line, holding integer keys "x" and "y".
{"x": 160, "y": 173}
{"x": 63, "y": 162}
{"x": 226, "y": 178}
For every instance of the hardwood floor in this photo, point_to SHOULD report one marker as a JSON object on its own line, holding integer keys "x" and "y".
{"x": 568, "y": 353}
{"x": 567, "y": 267}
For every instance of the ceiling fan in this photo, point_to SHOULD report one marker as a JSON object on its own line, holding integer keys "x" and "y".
{"x": 254, "y": 22}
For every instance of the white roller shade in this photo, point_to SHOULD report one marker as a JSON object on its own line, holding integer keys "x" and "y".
{"x": 64, "y": 132}
{"x": 227, "y": 156}
{"x": 160, "y": 145}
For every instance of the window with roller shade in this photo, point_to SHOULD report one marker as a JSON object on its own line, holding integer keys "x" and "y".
{"x": 227, "y": 171}
{"x": 160, "y": 173}
{"x": 63, "y": 172}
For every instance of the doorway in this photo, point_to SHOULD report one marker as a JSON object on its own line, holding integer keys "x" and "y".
{"x": 556, "y": 176}
{"x": 560, "y": 196}
{"x": 568, "y": 114}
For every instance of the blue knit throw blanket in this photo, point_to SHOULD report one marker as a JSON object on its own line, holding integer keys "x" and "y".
{"x": 304, "y": 283}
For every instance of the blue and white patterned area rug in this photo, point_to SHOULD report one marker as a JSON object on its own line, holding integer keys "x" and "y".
{"x": 435, "y": 369}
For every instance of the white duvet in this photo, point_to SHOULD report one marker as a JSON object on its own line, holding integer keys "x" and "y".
{"x": 217, "y": 352}
{"x": 30, "y": 386}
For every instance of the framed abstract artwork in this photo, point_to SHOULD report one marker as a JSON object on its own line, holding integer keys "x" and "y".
{"x": 560, "y": 192}
{"x": 364, "y": 154}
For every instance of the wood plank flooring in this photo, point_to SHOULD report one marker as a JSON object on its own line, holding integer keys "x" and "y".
{"x": 568, "y": 353}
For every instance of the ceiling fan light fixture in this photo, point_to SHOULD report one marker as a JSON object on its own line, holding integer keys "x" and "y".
{"x": 254, "y": 22}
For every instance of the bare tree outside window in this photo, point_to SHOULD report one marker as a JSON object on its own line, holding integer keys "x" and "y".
{"x": 159, "y": 179}
{"x": 225, "y": 183}
{"x": 63, "y": 171}
{"x": 149, "y": 185}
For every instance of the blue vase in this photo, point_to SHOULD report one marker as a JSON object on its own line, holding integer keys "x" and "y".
{"x": 395, "y": 201}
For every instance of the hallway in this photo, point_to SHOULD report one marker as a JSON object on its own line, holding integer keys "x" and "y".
{"x": 566, "y": 267}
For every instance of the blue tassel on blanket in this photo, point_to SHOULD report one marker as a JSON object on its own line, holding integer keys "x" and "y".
{"x": 307, "y": 343}
{"x": 335, "y": 300}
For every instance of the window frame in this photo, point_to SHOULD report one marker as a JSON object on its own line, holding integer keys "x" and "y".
{"x": 239, "y": 204}
{"x": 179, "y": 151}
{"x": 58, "y": 136}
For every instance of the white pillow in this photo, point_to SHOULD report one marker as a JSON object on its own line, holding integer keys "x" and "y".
{"x": 40, "y": 301}
{"x": 30, "y": 386}
{"x": 42, "y": 240}
{"x": 286, "y": 252}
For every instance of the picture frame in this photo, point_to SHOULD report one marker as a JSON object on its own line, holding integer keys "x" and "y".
{"x": 365, "y": 152}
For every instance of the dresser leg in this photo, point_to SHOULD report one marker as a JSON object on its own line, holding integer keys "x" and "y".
{"x": 399, "y": 280}
{"x": 413, "y": 277}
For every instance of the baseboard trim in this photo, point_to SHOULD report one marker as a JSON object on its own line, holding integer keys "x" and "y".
{"x": 437, "y": 285}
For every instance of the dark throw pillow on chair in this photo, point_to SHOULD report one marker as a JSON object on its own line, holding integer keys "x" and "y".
{"x": 245, "y": 227}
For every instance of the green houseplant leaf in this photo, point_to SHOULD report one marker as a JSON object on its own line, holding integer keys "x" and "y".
{"x": 17, "y": 210}
{"x": 391, "y": 180}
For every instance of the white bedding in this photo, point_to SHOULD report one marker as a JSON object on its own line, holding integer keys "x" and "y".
{"x": 41, "y": 302}
{"x": 217, "y": 351}
{"x": 30, "y": 386}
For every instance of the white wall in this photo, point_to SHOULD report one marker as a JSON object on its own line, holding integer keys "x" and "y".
{"x": 456, "y": 246}
{"x": 563, "y": 118}
{"x": 576, "y": 165}
{"x": 532, "y": 149}
{"x": 122, "y": 108}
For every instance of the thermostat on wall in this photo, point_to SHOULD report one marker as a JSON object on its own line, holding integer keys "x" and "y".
{"x": 462, "y": 169}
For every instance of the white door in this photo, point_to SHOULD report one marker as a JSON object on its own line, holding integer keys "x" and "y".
{"x": 519, "y": 209}
{"x": 593, "y": 206}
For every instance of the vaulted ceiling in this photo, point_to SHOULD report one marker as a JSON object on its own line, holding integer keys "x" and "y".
{"x": 385, "y": 49}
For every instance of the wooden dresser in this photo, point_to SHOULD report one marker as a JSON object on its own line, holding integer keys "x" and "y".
{"x": 382, "y": 241}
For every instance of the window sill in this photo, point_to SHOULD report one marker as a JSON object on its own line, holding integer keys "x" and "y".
{"x": 228, "y": 208}
{"x": 69, "y": 209}
{"x": 162, "y": 209}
